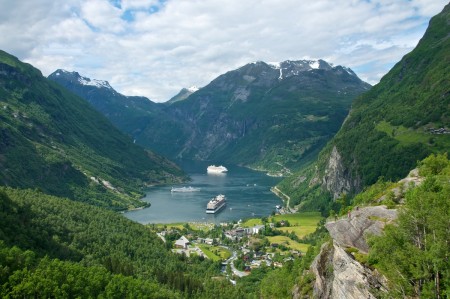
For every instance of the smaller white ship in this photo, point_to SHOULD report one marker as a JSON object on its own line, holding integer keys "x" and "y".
{"x": 215, "y": 204}
{"x": 185, "y": 189}
{"x": 216, "y": 169}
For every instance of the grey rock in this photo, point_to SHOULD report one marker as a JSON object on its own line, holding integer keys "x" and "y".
{"x": 339, "y": 275}
{"x": 352, "y": 231}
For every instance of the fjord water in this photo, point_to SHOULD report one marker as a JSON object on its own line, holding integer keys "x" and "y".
{"x": 248, "y": 195}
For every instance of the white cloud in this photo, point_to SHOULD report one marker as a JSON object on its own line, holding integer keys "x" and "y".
{"x": 103, "y": 16}
{"x": 167, "y": 45}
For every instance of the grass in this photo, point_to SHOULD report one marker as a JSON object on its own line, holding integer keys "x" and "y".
{"x": 299, "y": 219}
{"x": 178, "y": 226}
{"x": 288, "y": 242}
{"x": 300, "y": 231}
{"x": 409, "y": 136}
{"x": 197, "y": 226}
{"x": 215, "y": 253}
{"x": 251, "y": 222}
{"x": 301, "y": 223}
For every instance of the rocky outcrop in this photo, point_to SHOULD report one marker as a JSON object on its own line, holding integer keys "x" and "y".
{"x": 352, "y": 231}
{"x": 339, "y": 275}
{"x": 338, "y": 178}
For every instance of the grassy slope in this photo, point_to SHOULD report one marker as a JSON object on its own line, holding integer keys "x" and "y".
{"x": 54, "y": 141}
{"x": 54, "y": 246}
{"x": 387, "y": 130}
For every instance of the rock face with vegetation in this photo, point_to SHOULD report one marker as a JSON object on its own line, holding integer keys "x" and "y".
{"x": 399, "y": 121}
{"x": 351, "y": 231}
{"x": 267, "y": 116}
{"x": 54, "y": 141}
{"x": 401, "y": 252}
{"x": 339, "y": 275}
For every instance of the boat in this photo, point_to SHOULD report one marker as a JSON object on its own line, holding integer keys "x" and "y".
{"x": 215, "y": 204}
{"x": 216, "y": 169}
{"x": 185, "y": 189}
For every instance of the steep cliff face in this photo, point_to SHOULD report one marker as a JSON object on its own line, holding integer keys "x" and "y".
{"x": 339, "y": 275}
{"x": 338, "y": 270}
{"x": 338, "y": 178}
{"x": 352, "y": 231}
{"x": 399, "y": 121}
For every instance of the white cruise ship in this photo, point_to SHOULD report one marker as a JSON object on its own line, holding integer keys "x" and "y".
{"x": 185, "y": 189}
{"x": 216, "y": 169}
{"x": 215, "y": 204}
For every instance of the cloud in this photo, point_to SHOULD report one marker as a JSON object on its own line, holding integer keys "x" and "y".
{"x": 154, "y": 48}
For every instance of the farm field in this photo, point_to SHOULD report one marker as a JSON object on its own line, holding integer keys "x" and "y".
{"x": 288, "y": 242}
{"x": 215, "y": 253}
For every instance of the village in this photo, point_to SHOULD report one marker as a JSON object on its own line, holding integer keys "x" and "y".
{"x": 243, "y": 246}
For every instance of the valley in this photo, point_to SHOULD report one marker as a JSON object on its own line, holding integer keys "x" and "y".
{"x": 334, "y": 188}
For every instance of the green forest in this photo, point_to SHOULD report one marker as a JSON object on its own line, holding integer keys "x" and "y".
{"x": 66, "y": 174}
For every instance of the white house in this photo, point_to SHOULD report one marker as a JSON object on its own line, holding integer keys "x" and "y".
{"x": 182, "y": 242}
{"x": 257, "y": 228}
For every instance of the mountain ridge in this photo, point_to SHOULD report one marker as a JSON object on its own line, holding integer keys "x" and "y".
{"x": 390, "y": 127}
{"x": 54, "y": 141}
{"x": 227, "y": 119}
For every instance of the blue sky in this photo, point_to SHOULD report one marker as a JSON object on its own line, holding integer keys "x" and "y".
{"x": 154, "y": 48}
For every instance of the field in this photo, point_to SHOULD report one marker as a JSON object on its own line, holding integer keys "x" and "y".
{"x": 300, "y": 231}
{"x": 251, "y": 222}
{"x": 215, "y": 253}
{"x": 301, "y": 224}
{"x": 198, "y": 226}
{"x": 288, "y": 242}
{"x": 306, "y": 219}
{"x": 408, "y": 136}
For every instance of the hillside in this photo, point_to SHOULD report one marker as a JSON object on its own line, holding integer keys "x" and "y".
{"x": 399, "y": 121}
{"x": 54, "y": 247}
{"x": 266, "y": 116}
{"x": 394, "y": 241}
{"x": 54, "y": 141}
{"x": 138, "y": 117}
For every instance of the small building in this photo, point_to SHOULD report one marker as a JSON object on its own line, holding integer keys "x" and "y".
{"x": 209, "y": 241}
{"x": 257, "y": 228}
{"x": 182, "y": 242}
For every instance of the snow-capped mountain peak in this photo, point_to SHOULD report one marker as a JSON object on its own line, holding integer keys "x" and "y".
{"x": 193, "y": 88}
{"x": 94, "y": 82}
{"x": 75, "y": 76}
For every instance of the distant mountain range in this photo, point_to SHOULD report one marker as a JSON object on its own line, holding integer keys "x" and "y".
{"x": 266, "y": 116}
{"x": 56, "y": 142}
{"x": 398, "y": 122}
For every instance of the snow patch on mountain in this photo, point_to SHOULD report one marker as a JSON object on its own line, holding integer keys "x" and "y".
{"x": 193, "y": 88}
{"x": 314, "y": 64}
{"x": 348, "y": 70}
{"x": 275, "y": 65}
{"x": 94, "y": 82}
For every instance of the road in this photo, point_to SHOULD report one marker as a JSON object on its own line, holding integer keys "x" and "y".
{"x": 233, "y": 268}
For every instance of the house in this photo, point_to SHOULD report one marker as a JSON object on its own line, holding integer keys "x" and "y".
{"x": 209, "y": 241}
{"x": 182, "y": 242}
{"x": 235, "y": 234}
{"x": 257, "y": 228}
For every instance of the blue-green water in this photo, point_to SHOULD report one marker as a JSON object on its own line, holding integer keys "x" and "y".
{"x": 248, "y": 195}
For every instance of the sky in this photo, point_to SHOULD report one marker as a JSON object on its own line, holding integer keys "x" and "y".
{"x": 154, "y": 48}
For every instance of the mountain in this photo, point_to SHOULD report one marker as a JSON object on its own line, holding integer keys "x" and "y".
{"x": 138, "y": 117}
{"x": 119, "y": 109}
{"x": 399, "y": 121}
{"x": 267, "y": 116}
{"x": 55, "y": 141}
{"x": 183, "y": 94}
